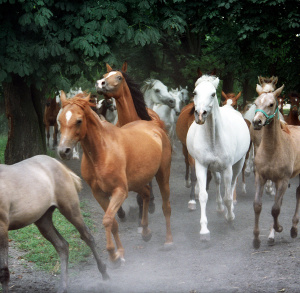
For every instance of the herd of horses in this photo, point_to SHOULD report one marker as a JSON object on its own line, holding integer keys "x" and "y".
{"x": 126, "y": 151}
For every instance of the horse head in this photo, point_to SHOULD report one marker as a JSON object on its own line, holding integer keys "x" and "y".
{"x": 268, "y": 84}
{"x": 231, "y": 99}
{"x": 205, "y": 97}
{"x": 156, "y": 92}
{"x": 184, "y": 94}
{"x": 294, "y": 101}
{"x": 179, "y": 103}
{"x": 72, "y": 120}
{"x": 266, "y": 107}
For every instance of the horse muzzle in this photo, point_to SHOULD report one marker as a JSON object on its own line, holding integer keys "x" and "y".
{"x": 65, "y": 152}
{"x": 170, "y": 102}
{"x": 258, "y": 123}
{"x": 200, "y": 117}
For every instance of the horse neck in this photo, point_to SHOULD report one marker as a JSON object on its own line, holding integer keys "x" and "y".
{"x": 293, "y": 118}
{"x": 125, "y": 107}
{"x": 96, "y": 136}
{"x": 148, "y": 99}
{"x": 272, "y": 136}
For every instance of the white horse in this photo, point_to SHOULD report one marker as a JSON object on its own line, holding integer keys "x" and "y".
{"x": 218, "y": 140}
{"x": 184, "y": 94}
{"x": 155, "y": 92}
{"x": 170, "y": 115}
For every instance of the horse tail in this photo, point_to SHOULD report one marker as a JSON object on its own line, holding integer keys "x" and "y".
{"x": 76, "y": 180}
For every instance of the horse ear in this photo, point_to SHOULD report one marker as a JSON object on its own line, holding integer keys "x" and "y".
{"x": 260, "y": 79}
{"x": 124, "y": 67}
{"x": 278, "y": 91}
{"x": 63, "y": 98}
{"x": 259, "y": 89}
{"x": 216, "y": 82}
{"x": 108, "y": 68}
{"x": 224, "y": 95}
{"x": 87, "y": 98}
{"x": 199, "y": 72}
{"x": 238, "y": 95}
{"x": 214, "y": 72}
{"x": 275, "y": 80}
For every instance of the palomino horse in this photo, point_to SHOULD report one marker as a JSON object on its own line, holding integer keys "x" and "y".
{"x": 277, "y": 158}
{"x": 155, "y": 92}
{"x": 51, "y": 111}
{"x": 117, "y": 160}
{"x": 231, "y": 99}
{"x": 30, "y": 192}
{"x": 218, "y": 140}
{"x": 292, "y": 118}
{"x": 131, "y": 106}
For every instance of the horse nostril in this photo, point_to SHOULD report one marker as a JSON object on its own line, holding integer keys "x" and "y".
{"x": 204, "y": 113}
{"x": 67, "y": 151}
{"x": 103, "y": 83}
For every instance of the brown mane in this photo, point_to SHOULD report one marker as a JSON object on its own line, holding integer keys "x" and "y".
{"x": 80, "y": 101}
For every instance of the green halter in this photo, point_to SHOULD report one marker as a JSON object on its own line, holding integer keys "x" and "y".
{"x": 269, "y": 117}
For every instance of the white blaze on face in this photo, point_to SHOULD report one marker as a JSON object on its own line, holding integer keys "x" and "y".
{"x": 68, "y": 116}
{"x": 99, "y": 82}
{"x": 229, "y": 102}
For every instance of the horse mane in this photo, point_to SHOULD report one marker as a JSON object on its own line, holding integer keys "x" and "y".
{"x": 148, "y": 84}
{"x": 284, "y": 126}
{"x": 137, "y": 97}
{"x": 210, "y": 78}
{"x": 80, "y": 101}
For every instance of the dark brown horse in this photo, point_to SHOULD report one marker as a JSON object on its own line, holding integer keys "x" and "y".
{"x": 50, "y": 114}
{"x": 293, "y": 117}
{"x": 117, "y": 160}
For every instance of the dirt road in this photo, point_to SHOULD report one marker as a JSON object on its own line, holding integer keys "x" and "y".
{"x": 228, "y": 263}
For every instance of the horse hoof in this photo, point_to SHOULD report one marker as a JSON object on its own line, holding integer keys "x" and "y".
{"x": 256, "y": 243}
{"x": 168, "y": 246}
{"x": 278, "y": 229}
{"x": 192, "y": 205}
{"x": 147, "y": 237}
{"x": 140, "y": 230}
{"x": 294, "y": 232}
{"x": 271, "y": 241}
{"x": 117, "y": 263}
{"x": 151, "y": 208}
{"x": 188, "y": 183}
{"x": 205, "y": 237}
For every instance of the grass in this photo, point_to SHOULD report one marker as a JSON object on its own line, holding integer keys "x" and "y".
{"x": 41, "y": 252}
{"x": 3, "y": 141}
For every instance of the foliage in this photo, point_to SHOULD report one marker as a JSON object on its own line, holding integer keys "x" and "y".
{"x": 3, "y": 141}
{"x": 37, "y": 249}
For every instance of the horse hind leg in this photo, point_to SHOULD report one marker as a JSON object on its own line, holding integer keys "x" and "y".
{"x": 162, "y": 178}
{"x": 294, "y": 229}
{"x": 4, "y": 271}
{"x": 47, "y": 229}
{"x": 55, "y": 133}
{"x": 73, "y": 215}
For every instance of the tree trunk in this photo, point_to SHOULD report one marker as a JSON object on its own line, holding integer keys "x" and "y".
{"x": 26, "y": 134}
{"x": 248, "y": 92}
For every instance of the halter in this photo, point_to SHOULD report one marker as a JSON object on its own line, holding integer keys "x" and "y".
{"x": 269, "y": 117}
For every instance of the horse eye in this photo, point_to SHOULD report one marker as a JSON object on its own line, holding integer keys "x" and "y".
{"x": 194, "y": 94}
{"x": 78, "y": 122}
{"x": 271, "y": 105}
{"x": 157, "y": 90}
{"x": 119, "y": 77}
{"x": 213, "y": 94}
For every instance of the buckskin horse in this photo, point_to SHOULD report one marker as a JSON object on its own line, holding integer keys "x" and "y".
{"x": 117, "y": 160}
{"x": 30, "y": 192}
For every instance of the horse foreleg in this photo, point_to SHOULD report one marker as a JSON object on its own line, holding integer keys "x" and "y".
{"x": 48, "y": 134}
{"x": 219, "y": 201}
{"x": 47, "y": 229}
{"x": 110, "y": 224}
{"x": 187, "y": 166}
{"x": 151, "y": 203}
{"x": 228, "y": 197}
{"x": 201, "y": 173}
{"x": 257, "y": 206}
{"x": 55, "y": 133}
{"x": 192, "y": 202}
{"x": 294, "y": 229}
{"x": 4, "y": 271}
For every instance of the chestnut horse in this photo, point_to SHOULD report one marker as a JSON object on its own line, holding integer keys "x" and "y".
{"x": 231, "y": 99}
{"x": 292, "y": 118}
{"x": 131, "y": 106}
{"x": 277, "y": 158}
{"x": 117, "y": 160}
{"x": 30, "y": 192}
{"x": 51, "y": 111}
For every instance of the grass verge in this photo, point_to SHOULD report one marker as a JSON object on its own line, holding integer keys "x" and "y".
{"x": 41, "y": 252}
